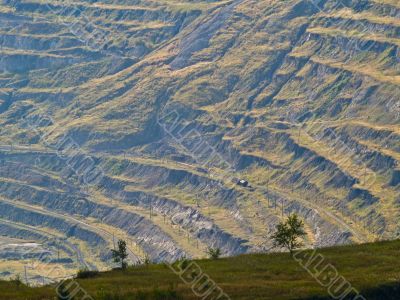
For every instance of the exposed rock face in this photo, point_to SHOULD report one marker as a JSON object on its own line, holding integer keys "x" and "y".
{"x": 142, "y": 130}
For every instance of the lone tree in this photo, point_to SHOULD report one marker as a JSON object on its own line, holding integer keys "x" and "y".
{"x": 120, "y": 254}
{"x": 288, "y": 232}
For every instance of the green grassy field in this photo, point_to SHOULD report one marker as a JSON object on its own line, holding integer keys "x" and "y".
{"x": 372, "y": 269}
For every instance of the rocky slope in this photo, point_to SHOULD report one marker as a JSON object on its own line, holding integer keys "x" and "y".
{"x": 136, "y": 119}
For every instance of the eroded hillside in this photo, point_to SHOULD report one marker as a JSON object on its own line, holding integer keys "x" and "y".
{"x": 172, "y": 102}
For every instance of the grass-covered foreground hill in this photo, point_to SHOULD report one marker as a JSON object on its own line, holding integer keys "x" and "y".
{"x": 373, "y": 270}
{"x": 173, "y": 101}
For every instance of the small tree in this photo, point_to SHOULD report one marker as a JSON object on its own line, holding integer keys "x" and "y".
{"x": 17, "y": 280}
{"x": 214, "y": 253}
{"x": 120, "y": 254}
{"x": 288, "y": 232}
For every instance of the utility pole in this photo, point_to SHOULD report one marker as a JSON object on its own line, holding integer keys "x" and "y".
{"x": 365, "y": 174}
{"x": 26, "y": 276}
{"x": 151, "y": 207}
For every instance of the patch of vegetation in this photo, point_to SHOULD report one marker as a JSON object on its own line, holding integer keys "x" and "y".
{"x": 214, "y": 253}
{"x": 84, "y": 274}
{"x": 373, "y": 269}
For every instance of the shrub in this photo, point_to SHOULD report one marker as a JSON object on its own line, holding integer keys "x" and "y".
{"x": 17, "y": 281}
{"x": 83, "y": 274}
{"x": 214, "y": 253}
{"x": 147, "y": 260}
